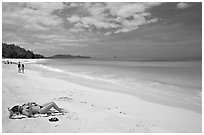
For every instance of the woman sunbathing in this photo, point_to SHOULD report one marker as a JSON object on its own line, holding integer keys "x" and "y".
{"x": 32, "y": 108}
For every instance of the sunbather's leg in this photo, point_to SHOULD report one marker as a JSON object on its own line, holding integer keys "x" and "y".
{"x": 46, "y": 108}
{"x": 47, "y": 104}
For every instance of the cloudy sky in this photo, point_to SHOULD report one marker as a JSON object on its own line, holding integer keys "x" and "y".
{"x": 126, "y": 30}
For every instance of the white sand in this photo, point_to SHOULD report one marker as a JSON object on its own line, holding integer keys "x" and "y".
{"x": 89, "y": 109}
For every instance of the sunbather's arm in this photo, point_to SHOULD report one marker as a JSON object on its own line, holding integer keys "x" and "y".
{"x": 29, "y": 112}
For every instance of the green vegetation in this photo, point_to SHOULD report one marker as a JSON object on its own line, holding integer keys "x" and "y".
{"x": 14, "y": 51}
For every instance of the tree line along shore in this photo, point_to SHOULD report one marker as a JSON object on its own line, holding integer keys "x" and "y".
{"x": 14, "y": 51}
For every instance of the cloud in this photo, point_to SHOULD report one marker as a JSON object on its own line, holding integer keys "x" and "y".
{"x": 48, "y": 36}
{"x": 74, "y": 19}
{"x": 183, "y": 5}
{"x": 128, "y": 9}
{"x": 11, "y": 37}
{"x": 61, "y": 39}
{"x": 32, "y": 16}
{"x": 114, "y": 17}
{"x": 87, "y": 22}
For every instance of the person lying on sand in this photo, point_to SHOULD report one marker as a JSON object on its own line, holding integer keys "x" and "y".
{"x": 31, "y": 108}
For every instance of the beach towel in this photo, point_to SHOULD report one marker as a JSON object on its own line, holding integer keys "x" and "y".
{"x": 20, "y": 116}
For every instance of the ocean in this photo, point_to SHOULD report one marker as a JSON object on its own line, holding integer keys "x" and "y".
{"x": 177, "y": 81}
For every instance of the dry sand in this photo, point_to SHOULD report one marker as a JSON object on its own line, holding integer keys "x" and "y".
{"x": 88, "y": 109}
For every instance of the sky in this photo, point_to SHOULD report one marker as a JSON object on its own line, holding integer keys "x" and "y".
{"x": 134, "y": 30}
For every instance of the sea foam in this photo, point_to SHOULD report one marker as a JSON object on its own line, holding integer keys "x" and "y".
{"x": 111, "y": 78}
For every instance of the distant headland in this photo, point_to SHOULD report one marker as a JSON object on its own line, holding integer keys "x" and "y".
{"x": 67, "y": 56}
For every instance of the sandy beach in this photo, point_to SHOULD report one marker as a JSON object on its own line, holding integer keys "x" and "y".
{"x": 89, "y": 110}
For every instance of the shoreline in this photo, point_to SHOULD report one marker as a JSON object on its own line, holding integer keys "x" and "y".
{"x": 149, "y": 94}
{"x": 153, "y": 97}
{"x": 115, "y": 112}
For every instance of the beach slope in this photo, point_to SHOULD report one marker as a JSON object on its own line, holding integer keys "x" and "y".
{"x": 88, "y": 109}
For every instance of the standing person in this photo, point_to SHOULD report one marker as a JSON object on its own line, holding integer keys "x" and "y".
{"x": 19, "y": 67}
{"x": 22, "y": 68}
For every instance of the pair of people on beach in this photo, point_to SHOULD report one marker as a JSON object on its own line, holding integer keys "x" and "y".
{"x": 21, "y": 67}
{"x": 32, "y": 108}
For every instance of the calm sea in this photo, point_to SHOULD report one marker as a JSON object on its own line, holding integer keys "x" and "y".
{"x": 179, "y": 80}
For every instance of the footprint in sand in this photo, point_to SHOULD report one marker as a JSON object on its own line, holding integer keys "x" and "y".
{"x": 83, "y": 102}
{"x": 117, "y": 110}
{"x": 63, "y": 99}
{"x": 145, "y": 126}
{"x": 123, "y": 113}
{"x": 72, "y": 116}
{"x": 108, "y": 108}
